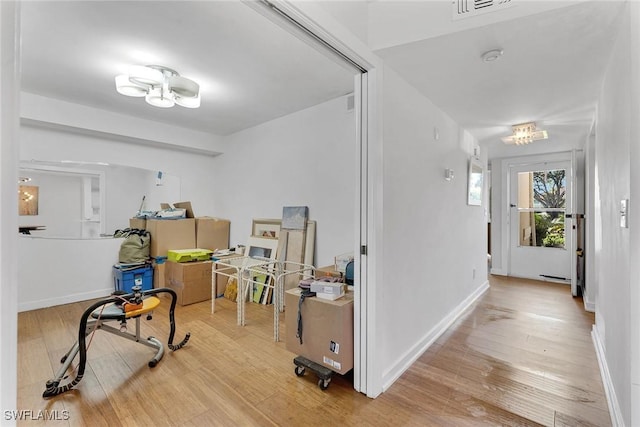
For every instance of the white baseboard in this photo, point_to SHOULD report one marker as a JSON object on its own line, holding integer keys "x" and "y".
{"x": 66, "y": 299}
{"x": 392, "y": 374}
{"x": 498, "y": 272}
{"x": 589, "y": 306}
{"x": 610, "y": 392}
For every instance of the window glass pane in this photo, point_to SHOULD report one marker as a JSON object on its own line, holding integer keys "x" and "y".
{"x": 541, "y": 228}
{"x": 542, "y": 189}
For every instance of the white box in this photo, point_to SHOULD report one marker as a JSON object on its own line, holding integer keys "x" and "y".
{"x": 330, "y": 288}
{"x": 329, "y": 297}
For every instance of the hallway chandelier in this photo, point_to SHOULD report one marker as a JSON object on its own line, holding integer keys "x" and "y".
{"x": 160, "y": 86}
{"x": 525, "y": 133}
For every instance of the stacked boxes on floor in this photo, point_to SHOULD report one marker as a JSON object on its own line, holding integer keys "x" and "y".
{"x": 186, "y": 278}
{"x": 212, "y": 233}
{"x": 190, "y": 280}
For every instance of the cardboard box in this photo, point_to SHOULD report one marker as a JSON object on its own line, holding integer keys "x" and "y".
{"x": 158, "y": 275}
{"x": 139, "y": 223}
{"x": 327, "y": 334}
{"x": 171, "y": 234}
{"x": 328, "y": 271}
{"x": 180, "y": 205}
{"x": 212, "y": 233}
{"x": 191, "y": 281}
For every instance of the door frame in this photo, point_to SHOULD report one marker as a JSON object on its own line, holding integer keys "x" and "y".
{"x": 514, "y": 217}
{"x": 506, "y": 165}
{"x": 323, "y": 33}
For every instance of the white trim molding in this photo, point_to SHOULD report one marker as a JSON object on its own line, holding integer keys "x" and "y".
{"x": 65, "y": 299}
{"x": 589, "y": 305}
{"x": 610, "y": 392}
{"x": 405, "y": 362}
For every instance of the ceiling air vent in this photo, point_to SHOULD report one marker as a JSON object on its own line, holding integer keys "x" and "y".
{"x": 468, "y": 8}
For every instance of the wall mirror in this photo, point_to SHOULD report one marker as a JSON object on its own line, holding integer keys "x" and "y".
{"x": 91, "y": 200}
{"x": 475, "y": 183}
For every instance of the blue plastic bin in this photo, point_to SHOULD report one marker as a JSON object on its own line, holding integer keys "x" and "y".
{"x": 125, "y": 280}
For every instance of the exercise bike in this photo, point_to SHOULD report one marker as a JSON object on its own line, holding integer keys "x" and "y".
{"x": 117, "y": 308}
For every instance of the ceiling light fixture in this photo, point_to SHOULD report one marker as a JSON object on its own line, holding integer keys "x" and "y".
{"x": 492, "y": 55}
{"x": 161, "y": 86}
{"x": 525, "y": 133}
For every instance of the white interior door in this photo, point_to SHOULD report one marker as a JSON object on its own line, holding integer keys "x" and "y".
{"x": 541, "y": 237}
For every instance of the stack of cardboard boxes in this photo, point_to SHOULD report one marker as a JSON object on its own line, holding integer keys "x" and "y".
{"x": 191, "y": 280}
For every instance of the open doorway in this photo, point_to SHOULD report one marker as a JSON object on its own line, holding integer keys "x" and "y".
{"x": 360, "y": 205}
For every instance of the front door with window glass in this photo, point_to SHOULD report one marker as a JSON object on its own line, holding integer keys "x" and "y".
{"x": 539, "y": 231}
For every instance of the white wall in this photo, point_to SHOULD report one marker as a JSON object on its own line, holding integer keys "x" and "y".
{"x": 59, "y": 204}
{"x": 41, "y": 287}
{"x": 354, "y": 15}
{"x": 41, "y": 110}
{"x": 303, "y": 159}
{"x": 9, "y": 106}
{"x": 61, "y": 143}
{"x": 59, "y": 271}
{"x": 306, "y": 158}
{"x": 613, "y": 166}
{"x": 634, "y": 215}
{"x": 591, "y": 201}
{"x": 434, "y": 250}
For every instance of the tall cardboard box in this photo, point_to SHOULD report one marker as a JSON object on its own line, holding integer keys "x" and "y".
{"x": 327, "y": 333}
{"x": 171, "y": 234}
{"x": 139, "y": 223}
{"x": 191, "y": 281}
{"x": 158, "y": 275}
{"x": 212, "y": 233}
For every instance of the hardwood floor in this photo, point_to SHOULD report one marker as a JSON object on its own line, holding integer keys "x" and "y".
{"x": 521, "y": 356}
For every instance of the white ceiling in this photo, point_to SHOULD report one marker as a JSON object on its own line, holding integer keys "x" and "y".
{"x": 250, "y": 70}
{"x": 551, "y": 72}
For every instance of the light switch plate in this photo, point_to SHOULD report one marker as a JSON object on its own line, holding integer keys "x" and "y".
{"x": 624, "y": 206}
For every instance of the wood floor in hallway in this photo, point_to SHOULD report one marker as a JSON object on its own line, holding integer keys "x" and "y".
{"x": 522, "y": 355}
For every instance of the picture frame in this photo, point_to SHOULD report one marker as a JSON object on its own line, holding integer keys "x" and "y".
{"x": 294, "y": 217}
{"x": 266, "y": 227}
{"x": 28, "y": 200}
{"x": 270, "y": 228}
{"x": 475, "y": 183}
{"x": 260, "y": 248}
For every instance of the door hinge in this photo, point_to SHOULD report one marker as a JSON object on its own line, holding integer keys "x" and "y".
{"x": 363, "y": 250}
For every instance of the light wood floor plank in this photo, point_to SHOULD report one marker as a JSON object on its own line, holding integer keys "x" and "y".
{"x": 521, "y": 356}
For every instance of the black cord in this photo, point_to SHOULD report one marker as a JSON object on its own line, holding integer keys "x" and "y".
{"x": 304, "y": 294}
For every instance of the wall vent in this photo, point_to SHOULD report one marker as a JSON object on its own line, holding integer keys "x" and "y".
{"x": 468, "y": 8}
